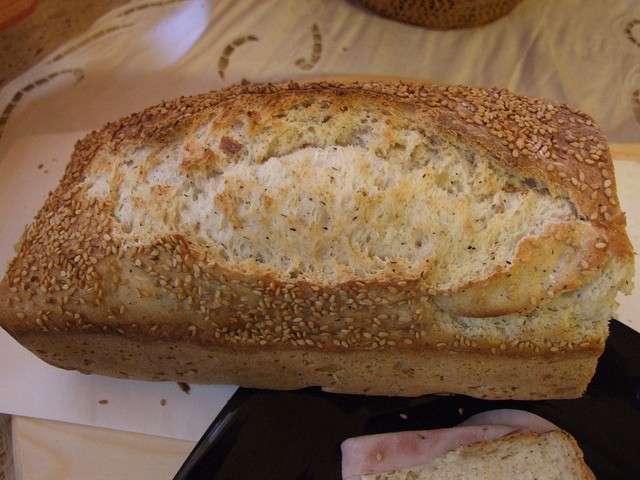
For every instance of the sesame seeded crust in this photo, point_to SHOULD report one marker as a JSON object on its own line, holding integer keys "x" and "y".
{"x": 443, "y": 14}
{"x": 78, "y": 275}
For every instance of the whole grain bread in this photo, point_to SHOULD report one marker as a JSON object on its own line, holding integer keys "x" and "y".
{"x": 443, "y": 14}
{"x": 364, "y": 237}
{"x": 553, "y": 455}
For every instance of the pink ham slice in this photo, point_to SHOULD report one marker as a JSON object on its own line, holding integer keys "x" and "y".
{"x": 514, "y": 418}
{"x": 394, "y": 451}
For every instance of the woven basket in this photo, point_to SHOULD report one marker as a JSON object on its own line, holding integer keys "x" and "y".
{"x": 443, "y": 14}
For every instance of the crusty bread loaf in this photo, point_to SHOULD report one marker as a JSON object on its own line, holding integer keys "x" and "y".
{"x": 443, "y": 14}
{"x": 524, "y": 456}
{"x": 382, "y": 238}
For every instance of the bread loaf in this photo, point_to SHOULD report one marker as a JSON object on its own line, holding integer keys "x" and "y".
{"x": 443, "y": 14}
{"x": 378, "y": 238}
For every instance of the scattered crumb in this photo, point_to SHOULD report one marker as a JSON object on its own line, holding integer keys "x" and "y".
{"x": 379, "y": 456}
{"x": 461, "y": 411}
{"x": 103, "y": 402}
{"x": 344, "y": 49}
{"x": 40, "y": 166}
{"x": 163, "y": 401}
{"x": 403, "y": 416}
{"x": 46, "y": 171}
{"x": 185, "y": 387}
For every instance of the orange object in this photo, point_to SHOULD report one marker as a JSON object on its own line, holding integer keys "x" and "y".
{"x": 12, "y": 11}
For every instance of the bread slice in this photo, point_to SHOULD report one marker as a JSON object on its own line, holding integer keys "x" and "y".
{"x": 525, "y": 456}
{"x": 364, "y": 237}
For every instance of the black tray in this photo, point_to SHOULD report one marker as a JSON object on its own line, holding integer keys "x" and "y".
{"x": 266, "y": 435}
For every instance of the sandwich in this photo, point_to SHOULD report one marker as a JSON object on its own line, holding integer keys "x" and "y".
{"x": 494, "y": 445}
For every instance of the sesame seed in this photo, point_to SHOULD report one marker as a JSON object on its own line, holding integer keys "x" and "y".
{"x": 601, "y": 245}
{"x": 505, "y": 116}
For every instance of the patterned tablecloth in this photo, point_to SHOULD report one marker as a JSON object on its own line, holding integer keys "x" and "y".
{"x": 582, "y": 52}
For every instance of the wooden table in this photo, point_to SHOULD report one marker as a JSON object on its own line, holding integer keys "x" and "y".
{"x": 48, "y": 450}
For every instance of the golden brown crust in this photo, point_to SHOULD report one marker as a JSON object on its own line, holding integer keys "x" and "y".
{"x": 410, "y": 374}
{"x": 443, "y": 14}
{"x": 140, "y": 294}
{"x": 74, "y": 275}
